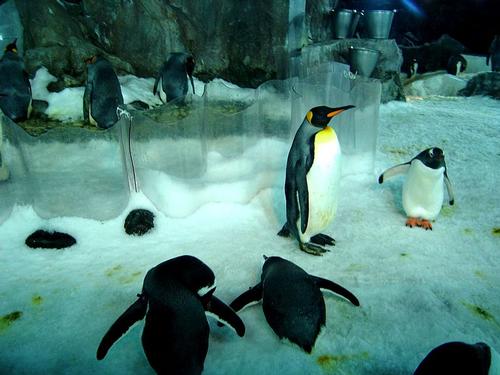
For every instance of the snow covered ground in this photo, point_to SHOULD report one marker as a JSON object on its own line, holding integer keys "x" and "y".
{"x": 417, "y": 288}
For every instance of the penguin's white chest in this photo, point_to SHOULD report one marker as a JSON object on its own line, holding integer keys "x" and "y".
{"x": 423, "y": 191}
{"x": 323, "y": 180}
{"x": 161, "y": 92}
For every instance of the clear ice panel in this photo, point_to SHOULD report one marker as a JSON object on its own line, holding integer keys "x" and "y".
{"x": 69, "y": 172}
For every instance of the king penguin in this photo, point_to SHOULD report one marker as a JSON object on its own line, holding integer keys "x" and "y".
{"x": 312, "y": 180}
{"x": 176, "y": 296}
{"x": 15, "y": 87}
{"x": 102, "y": 94}
{"x": 171, "y": 81}
{"x": 292, "y": 301}
{"x": 423, "y": 188}
{"x": 460, "y": 358}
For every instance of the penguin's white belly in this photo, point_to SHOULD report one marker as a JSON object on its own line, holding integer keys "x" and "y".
{"x": 323, "y": 182}
{"x": 161, "y": 92}
{"x": 423, "y": 191}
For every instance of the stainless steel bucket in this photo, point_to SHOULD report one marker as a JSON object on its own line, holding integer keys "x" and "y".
{"x": 342, "y": 20}
{"x": 363, "y": 60}
{"x": 378, "y": 23}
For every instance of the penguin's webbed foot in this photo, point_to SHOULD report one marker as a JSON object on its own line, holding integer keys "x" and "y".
{"x": 284, "y": 232}
{"x": 323, "y": 239}
{"x": 313, "y": 249}
{"x": 412, "y": 222}
{"x": 426, "y": 224}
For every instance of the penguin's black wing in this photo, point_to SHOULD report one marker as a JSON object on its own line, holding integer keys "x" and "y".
{"x": 86, "y": 99}
{"x": 134, "y": 313}
{"x": 155, "y": 87}
{"x": 335, "y": 288}
{"x": 447, "y": 182}
{"x": 251, "y": 295}
{"x": 224, "y": 314}
{"x": 303, "y": 192}
{"x": 393, "y": 171}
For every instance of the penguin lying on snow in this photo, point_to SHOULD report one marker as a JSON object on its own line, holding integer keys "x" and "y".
{"x": 292, "y": 301}
{"x": 175, "y": 297}
{"x": 15, "y": 87}
{"x": 171, "y": 82}
{"x": 423, "y": 189}
{"x": 312, "y": 180}
{"x": 102, "y": 94}
{"x": 459, "y": 358}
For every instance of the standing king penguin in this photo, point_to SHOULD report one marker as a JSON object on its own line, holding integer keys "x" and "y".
{"x": 15, "y": 87}
{"x": 312, "y": 180}
{"x": 171, "y": 81}
{"x": 292, "y": 301}
{"x": 103, "y": 93}
{"x": 176, "y": 296}
{"x": 423, "y": 188}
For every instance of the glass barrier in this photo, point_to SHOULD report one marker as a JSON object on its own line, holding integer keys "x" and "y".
{"x": 68, "y": 171}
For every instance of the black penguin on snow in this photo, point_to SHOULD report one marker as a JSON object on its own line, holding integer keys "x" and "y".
{"x": 292, "y": 301}
{"x": 312, "y": 180}
{"x": 102, "y": 94}
{"x": 175, "y": 297}
{"x": 15, "y": 87}
{"x": 171, "y": 82}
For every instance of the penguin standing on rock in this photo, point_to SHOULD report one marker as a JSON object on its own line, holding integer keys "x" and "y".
{"x": 15, "y": 87}
{"x": 423, "y": 189}
{"x": 102, "y": 94}
{"x": 175, "y": 297}
{"x": 171, "y": 82}
{"x": 292, "y": 301}
{"x": 460, "y": 358}
{"x": 312, "y": 180}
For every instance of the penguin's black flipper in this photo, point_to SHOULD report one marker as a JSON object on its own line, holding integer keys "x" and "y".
{"x": 303, "y": 194}
{"x": 134, "y": 313}
{"x": 393, "y": 171}
{"x": 335, "y": 288}
{"x": 251, "y": 295}
{"x": 449, "y": 188}
{"x": 155, "y": 87}
{"x": 224, "y": 314}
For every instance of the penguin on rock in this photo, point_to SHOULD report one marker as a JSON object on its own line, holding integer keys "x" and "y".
{"x": 312, "y": 180}
{"x": 423, "y": 188}
{"x": 176, "y": 296}
{"x": 171, "y": 82}
{"x": 15, "y": 87}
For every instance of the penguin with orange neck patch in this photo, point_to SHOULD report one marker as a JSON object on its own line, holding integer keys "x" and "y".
{"x": 312, "y": 180}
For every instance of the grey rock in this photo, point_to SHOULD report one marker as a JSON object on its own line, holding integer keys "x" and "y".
{"x": 487, "y": 84}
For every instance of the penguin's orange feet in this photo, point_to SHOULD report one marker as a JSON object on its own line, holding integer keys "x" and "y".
{"x": 412, "y": 222}
{"x": 426, "y": 224}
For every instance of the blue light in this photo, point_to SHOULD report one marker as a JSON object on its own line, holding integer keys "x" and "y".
{"x": 412, "y": 7}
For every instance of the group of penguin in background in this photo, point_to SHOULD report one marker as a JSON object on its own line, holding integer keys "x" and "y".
{"x": 178, "y": 293}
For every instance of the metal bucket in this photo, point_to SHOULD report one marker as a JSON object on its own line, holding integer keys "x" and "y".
{"x": 378, "y": 23}
{"x": 342, "y": 21}
{"x": 363, "y": 60}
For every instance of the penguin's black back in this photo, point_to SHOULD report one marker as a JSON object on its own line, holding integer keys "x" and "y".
{"x": 15, "y": 88}
{"x": 293, "y": 304}
{"x": 175, "y": 335}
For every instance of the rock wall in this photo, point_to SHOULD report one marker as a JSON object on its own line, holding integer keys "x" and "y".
{"x": 241, "y": 41}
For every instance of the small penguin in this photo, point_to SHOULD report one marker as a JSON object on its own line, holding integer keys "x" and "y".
{"x": 312, "y": 180}
{"x": 456, "y": 65}
{"x": 460, "y": 358}
{"x": 103, "y": 93}
{"x": 15, "y": 87}
{"x": 494, "y": 54}
{"x": 423, "y": 189}
{"x": 176, "y": 296}
{"x": 172, "y": 77}
{"x": 292, "y": 301}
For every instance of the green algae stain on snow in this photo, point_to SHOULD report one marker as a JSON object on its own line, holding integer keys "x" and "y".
{"x": 36, "y": 300}
{"x": 329, "y": 363}
{"x": 7, "y": 320}
{"x": 482, "y": 313}
{"x": 496, "y": 231}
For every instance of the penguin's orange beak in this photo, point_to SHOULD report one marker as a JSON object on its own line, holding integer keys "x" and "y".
{"x": 338, "y": 110}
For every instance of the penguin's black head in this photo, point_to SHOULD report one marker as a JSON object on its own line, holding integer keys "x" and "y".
{"x": 321, "y": 116}
{"x": 196, "y": 276}
{"x": 432, "y": 157}
{"x": 11, "y": 47}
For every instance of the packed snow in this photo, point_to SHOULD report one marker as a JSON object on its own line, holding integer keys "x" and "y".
{"x": 417, "y": 288}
